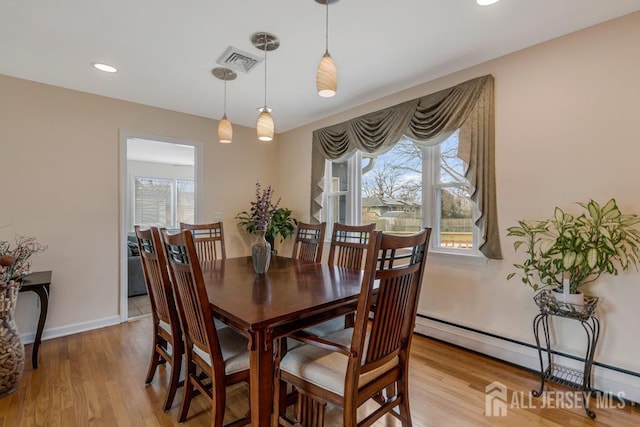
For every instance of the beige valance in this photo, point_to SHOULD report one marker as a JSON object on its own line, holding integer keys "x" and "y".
{"x": 427, "y": 120}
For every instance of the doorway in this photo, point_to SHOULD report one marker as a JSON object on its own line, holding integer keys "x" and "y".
{"x": 159, "y": 186}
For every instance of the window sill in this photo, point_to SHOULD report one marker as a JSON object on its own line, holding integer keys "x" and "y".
{"x": 456, "y": 258}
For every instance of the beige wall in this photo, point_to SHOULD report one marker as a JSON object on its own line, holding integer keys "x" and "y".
{"x": 59, "y": 157}
{"x": 566, "y": 130}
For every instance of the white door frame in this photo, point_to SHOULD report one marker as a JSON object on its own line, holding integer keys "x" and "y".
{"x": 198, "y": 175}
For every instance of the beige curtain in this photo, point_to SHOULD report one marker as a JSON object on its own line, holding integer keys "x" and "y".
{"x": 427, "y": 121}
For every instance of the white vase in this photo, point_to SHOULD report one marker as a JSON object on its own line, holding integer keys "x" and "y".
{"x": 577, "y": 298}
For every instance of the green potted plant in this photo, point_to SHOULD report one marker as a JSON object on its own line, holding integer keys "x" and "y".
{"x": 280, "y": 222}
{"x": 569, "y": 251}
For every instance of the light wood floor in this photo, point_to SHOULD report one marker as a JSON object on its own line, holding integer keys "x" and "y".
{"x": 96, "y": 379}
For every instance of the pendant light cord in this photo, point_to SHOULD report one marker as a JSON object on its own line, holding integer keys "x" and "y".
{"x": 326, "y": 28}
{"x": 265, "y": 71}
{"x": 225, "y": 94}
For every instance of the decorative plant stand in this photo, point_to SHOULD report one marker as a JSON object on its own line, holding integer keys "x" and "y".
{"x": 584, "y": 314}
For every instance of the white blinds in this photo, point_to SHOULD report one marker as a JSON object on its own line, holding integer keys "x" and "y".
{"x": 163, "y": 202}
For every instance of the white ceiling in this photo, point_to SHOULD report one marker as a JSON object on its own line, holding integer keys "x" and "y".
{"x": 165, "y": 49}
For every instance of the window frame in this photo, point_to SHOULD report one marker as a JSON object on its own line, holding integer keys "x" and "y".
{"x": 173, "y": 195}
{"x": 431, "y": 189}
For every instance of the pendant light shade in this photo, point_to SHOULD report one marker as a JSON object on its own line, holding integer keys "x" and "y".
{"x": 265, "y": 127}
{"x": 327, "y": 74}
{"x": 225, "y": 129}
{"x": 327, "y": 77}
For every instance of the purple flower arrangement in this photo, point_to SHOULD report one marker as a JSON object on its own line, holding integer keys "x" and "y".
{"x": 262, "y": 209}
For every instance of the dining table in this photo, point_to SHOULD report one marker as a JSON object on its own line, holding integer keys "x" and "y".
{"x": 290, "y": 296}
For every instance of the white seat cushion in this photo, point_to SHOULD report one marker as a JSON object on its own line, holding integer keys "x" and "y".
{"x": 233, "y": 347}
{"x": 293, "y": 343}
{"x": 325, "y": 368}
{"x": 220, "y": 324}
{"x": 165, "y": 326}
{"x": 327, "y": 328}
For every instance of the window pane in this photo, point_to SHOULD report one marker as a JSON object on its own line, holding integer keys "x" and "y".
{"x": 336, "y": 210}
{"x": 339, "y": 175}
{"x": 163, "y": 202}
{"x": 456, "y": 218}
{"x": 186, "y": 202}
{"x": 153, "y": 202}
{"x": 392, "y": 189}
{"x": 451, "y": 167}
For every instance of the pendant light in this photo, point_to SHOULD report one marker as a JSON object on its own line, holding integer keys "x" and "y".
{"x": 327, "y": 75}
{"x": 225, "y": 130}
{"x": 264, "y": 126}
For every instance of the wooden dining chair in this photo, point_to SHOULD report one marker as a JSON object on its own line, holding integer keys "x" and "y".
{"x": 216, "y": 355}
{"x": 309, "y": 242}
{"x": 349, "y": 244}
{"x": 348, "y": 248}
{"x": 370, "y": 361}
{"x": 167, "y": 335}
{"x": 208, "y": 239}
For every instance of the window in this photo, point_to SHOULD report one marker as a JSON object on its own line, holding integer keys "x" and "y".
{"x": 403, "y": 190}
{"x": 163, "y": 202}
{"x": 339, "y": 205}
{"x": 451, "y": 195}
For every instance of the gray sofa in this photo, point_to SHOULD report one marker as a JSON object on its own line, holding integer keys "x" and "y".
{"x": 136, "y": 283}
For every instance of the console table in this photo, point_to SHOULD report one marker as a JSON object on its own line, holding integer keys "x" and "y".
{"x": 585, "y": 314}
{"x": 39, "y": 283}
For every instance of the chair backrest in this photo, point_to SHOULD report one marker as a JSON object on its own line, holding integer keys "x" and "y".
{"x": 196, "y": 316}
{"x": 309, "y": 242}
{"x": 209, "y": 240}
{"x": 349, "y": 244}
{"x": 156, "y": 276}
{"x": 392, "y": 281}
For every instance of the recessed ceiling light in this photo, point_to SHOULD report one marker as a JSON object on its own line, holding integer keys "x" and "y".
{"x": 486, "y": 2}
{"x": 104, "y": 67}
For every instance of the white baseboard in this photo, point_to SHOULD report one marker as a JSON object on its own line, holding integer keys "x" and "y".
{"x": 29, "y": 337}
{"x": 604, "y": 379}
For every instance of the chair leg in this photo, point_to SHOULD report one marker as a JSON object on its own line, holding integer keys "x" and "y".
{"x": 280, "y": 386}
{"x": 350, "y": 414}
{"x": 282, "y": 399}
{"x": 405, "y": 412}
{"x": 155, "y": 357}
{"x": 176, "y": 367}
{"x": 153, "y": 365}
{"x": 188, "y": 390}
{"x": 218, "y": 403}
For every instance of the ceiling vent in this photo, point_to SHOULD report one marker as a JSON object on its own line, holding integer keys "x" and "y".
{"x": 238, "y": 60}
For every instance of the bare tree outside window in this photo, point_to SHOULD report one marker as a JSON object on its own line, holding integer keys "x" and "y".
{"x": 392, "y": 189}
{"x": 456, "y": 207}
